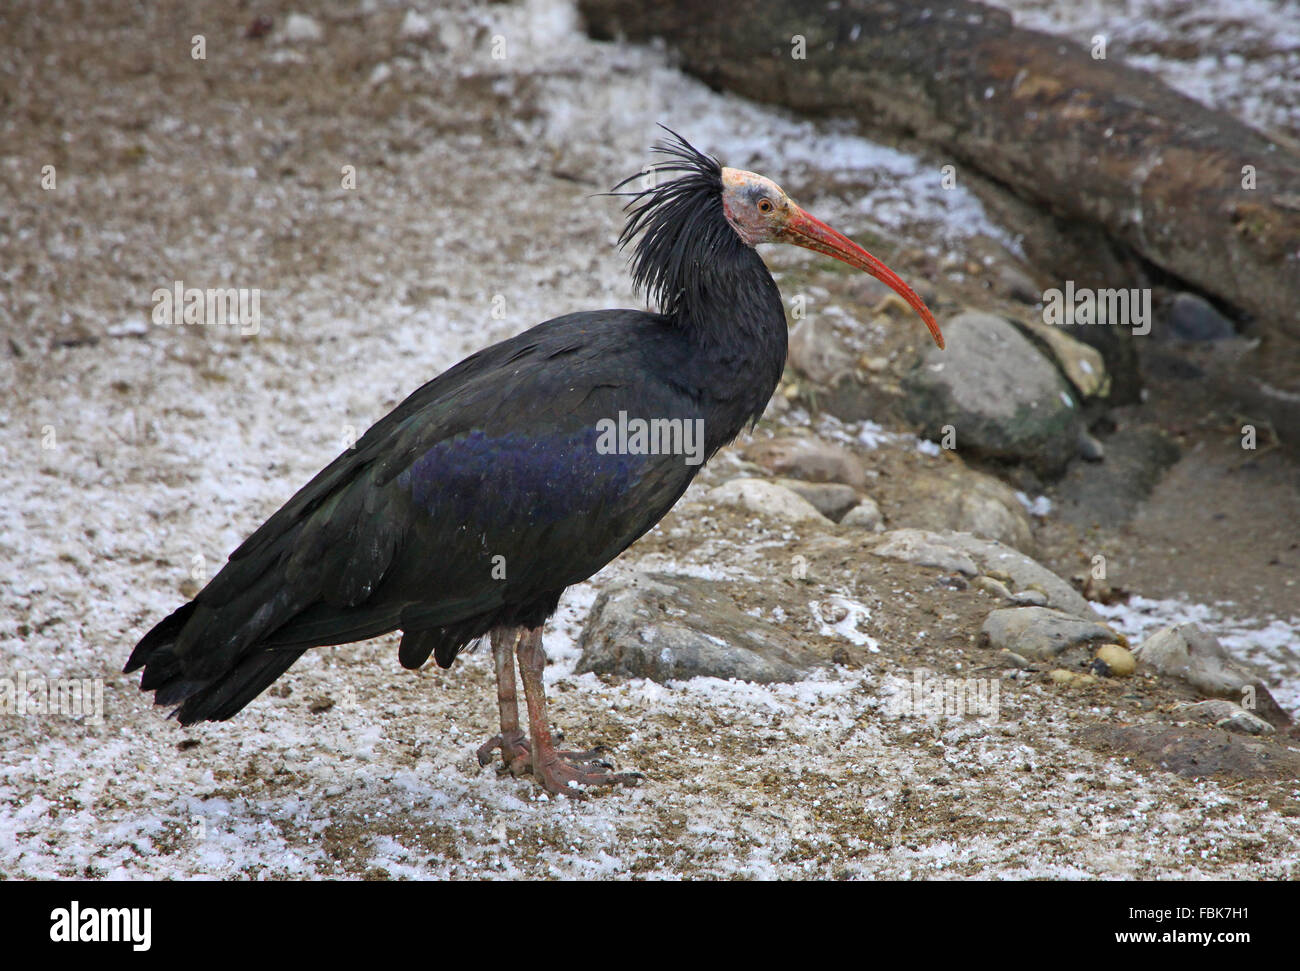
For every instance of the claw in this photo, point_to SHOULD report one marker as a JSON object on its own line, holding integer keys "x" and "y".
{"x": 485, "y": 750}
{"x": 513, "y": 745}
{"x": 517, "y": 754}
{"x": 564, "y": 778}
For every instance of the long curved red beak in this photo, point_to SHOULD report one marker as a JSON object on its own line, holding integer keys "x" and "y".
{"x": 811, "y": 233}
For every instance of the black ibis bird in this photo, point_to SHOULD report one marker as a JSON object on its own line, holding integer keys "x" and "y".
{"x": 470, "y": 508}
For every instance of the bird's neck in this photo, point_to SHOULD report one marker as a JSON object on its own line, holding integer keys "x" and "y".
{"x": 733, "y": 315}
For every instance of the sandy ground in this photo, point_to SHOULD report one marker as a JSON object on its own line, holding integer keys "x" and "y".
{"x": 134, "y": 456}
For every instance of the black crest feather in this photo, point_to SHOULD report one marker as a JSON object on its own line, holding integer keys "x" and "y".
{"x": 680, "y": 223}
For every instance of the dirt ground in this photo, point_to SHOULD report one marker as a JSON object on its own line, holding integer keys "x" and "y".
{"x": 134, "y": 456}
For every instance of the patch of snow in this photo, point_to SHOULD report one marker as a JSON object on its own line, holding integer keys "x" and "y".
{"x": 846, "y": 627}
{"x": 1038, "y": 506}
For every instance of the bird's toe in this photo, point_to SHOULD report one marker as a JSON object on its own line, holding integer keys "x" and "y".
{"x": 513, "y": 745}
{"x": 566, "y": 778}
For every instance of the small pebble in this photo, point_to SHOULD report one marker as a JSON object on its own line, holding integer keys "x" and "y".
{"x": 1015, "y": 660}
{"x": 1115, "y": 661}
{"x": 1090, "y": 449}
{"x": 1072, "y": 679}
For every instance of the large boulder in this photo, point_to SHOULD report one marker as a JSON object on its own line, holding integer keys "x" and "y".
{"x": 999, "y": 395}
{"x": 668, "y": 628}
{"x": 972, "y": 556}
{"x": 957, "y": 498}
{"x": 1039, "y": 633}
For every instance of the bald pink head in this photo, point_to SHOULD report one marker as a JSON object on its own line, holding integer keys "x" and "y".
{"x": 760, "y": 212}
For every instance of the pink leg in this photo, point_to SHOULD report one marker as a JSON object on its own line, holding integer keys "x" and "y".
{"x": 515, "y": 750}
{"x": 559, "y": 772}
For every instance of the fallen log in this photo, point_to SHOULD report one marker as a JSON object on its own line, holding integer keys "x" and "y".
{"x": 1196, "y": 193}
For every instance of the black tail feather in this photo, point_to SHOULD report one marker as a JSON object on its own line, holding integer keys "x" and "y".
{"x": 171, "y": 673}
{"x": 164, "y": 634}
{"x": 223, "y": 697}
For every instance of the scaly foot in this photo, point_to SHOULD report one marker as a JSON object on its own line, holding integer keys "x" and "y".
{"x": 566, "y": 772}
{"x": 517, "y": 754}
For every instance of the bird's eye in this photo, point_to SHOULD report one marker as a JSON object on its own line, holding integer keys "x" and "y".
{"x": 765, "y": 206}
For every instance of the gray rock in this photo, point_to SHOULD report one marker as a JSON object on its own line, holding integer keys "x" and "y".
{"x": 1191, "y": 654}
{"x": 766, "y": 498}
{"x": 964, "y": 500}
{"x": 1012, "y": 659}
{"x": 817, "y": 352}
{"x": 1039, "y": 633}
{"x": 865, "y": 515}
{"x": 809, "y": 459}
{"x": 992, "y": 586}
{"x": 1030, "y": 598}
{"x": 831, "y": 499}
{"x": 671, "y": 628}
{"x": 1090, "y": 449}
{"x": 1004, "y": 399}
{"x": 1276, "y": 400}
{"x": 1193, "y": 318}
{"x": 970, "y": 555}
{"x": 996, "y": 588}
{"x": 1225, "y": 714}
{"x": 926, "y": 549}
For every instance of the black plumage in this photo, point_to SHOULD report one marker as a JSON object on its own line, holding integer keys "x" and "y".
{"x": 494, "y": 457}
